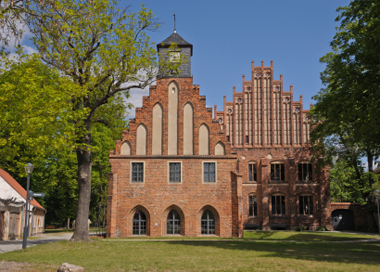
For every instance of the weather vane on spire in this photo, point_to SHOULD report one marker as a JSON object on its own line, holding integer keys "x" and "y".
{"x": 175, "y": 31}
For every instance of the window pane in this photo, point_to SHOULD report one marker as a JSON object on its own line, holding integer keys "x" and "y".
{"x": 278, "y": 205}
{"x": 299, "y": 172}
{"x": 310, "y": 172}
{"x": 250, "y": 166}
{"x": 301, "y": 204}
{"x": 273, "y": 205}
{"x": 311, "y": 204}
{"x": 137, "y": 172}
{"x": 282, "y": 172}
{"x": 272, "y": 172}
{"x": 283, "y": 204}
{"x": 250, "y": 212}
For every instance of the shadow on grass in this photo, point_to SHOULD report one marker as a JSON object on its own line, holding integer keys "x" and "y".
{"x": 358, "y": 253}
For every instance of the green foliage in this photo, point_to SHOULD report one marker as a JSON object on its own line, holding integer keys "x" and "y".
{"x": 347, "y": 109}
{"x": 344, "y": 184}
{"x": 34, "y": 101}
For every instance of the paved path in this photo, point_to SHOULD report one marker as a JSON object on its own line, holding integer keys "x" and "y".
{"x": 6, "y": 246}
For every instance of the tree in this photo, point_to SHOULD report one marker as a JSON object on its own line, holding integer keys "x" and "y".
{"x": 34, "y": 110}
{"x": 104, "y": 51}
{"x": 347, "y": 109}
{"x": 56, "y": 173}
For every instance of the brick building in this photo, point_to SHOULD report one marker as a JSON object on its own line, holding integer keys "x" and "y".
{"x": 180, "y": 171}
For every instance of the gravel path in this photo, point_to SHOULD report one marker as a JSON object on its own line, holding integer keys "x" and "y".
{"x": 6, "y": 246}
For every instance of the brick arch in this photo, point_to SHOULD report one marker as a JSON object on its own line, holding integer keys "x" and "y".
{"x": 219, "y": 148}
{"x": 188, "y": 129}
{"x": 164, "y": 219}
{"x": 125, "y": 148}
{"x": 216, "y": 215}
{"x": 204, "y": 139}
{"x": 132, "y": 213}
{"x": 141, "y": 140}
{"x": 172, "y": 81}
{"x": 157, "y": 128}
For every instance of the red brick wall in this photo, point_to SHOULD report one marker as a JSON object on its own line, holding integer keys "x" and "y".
{"x": 360, "y": 215}
{"x": 157, "y": 196}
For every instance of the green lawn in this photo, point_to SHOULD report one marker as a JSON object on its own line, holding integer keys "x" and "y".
{"x": 306, "y": 236}
{"x": 198, "y": 255}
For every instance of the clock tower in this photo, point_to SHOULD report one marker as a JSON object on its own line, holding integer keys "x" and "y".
{"x": 183, "y": 47}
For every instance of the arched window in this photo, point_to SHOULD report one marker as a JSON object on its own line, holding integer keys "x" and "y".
{"x": 139, "y": 223}
{"x": 208, "y": 223}
{"x": 173, "y": 224}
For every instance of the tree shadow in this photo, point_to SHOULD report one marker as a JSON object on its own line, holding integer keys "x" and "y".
{"x": 355, "y": 253}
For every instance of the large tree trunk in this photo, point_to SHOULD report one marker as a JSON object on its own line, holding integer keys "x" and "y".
{"x": 84, "y": 183}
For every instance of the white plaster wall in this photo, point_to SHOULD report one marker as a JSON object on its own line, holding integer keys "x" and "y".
{"x": 7, "y": 191}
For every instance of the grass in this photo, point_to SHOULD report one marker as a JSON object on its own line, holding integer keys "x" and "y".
{"x": 306, "y": 236}
{"x": 198, "y": 255}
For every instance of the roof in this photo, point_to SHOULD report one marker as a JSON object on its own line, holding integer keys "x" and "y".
{"x": 19, "y": 189}
{"x": 377, "y": 170}
{"x": 177, "y": 39}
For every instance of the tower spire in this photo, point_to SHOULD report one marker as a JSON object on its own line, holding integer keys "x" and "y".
{"x": 175, "y": 31}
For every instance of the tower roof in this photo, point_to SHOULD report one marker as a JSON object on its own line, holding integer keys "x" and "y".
{"x": 177, "y": 39}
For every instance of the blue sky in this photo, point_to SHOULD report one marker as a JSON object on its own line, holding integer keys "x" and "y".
{"x": 228, "y": 35}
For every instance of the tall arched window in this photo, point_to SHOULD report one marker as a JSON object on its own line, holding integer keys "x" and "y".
{"x": 208, "y": 223}
{"x": 173, "y": 224}
{"x": 139, "y": 223}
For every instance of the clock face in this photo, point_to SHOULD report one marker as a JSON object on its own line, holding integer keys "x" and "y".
{"x": 174, "y": 56}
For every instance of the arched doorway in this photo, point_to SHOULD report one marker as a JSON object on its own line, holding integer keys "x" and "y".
{"x": 343, "y": 220}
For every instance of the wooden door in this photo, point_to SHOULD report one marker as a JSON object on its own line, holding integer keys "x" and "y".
{"x": 14, "y": 219}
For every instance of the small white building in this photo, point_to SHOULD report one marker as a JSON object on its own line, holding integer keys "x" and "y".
{"x": 12, "y": 209}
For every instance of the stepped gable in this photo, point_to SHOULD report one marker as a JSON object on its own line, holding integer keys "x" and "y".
{"x": 263, "y": 114}
{"x": 158, "y": 94}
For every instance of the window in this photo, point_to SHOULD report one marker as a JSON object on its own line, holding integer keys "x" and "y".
{"x": 246, "y": 139}
{"x": 252, "y": 201}
{"x": 278, "y": 205}
{"x": 209, "y": 172}
{"x": 174, "y": 172}
{"x": 208, "y": 223}
{"x": 228, "y": 138}
{"x": 173, "y": 224}
{"x": 139, "y": 223}
{"x": 277, "y": 172}
{"x": 305, "y": 172}
{"x": 252, "y": 172}
{"x": 137, "y": 172}
{"x": 306, "y": 205}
